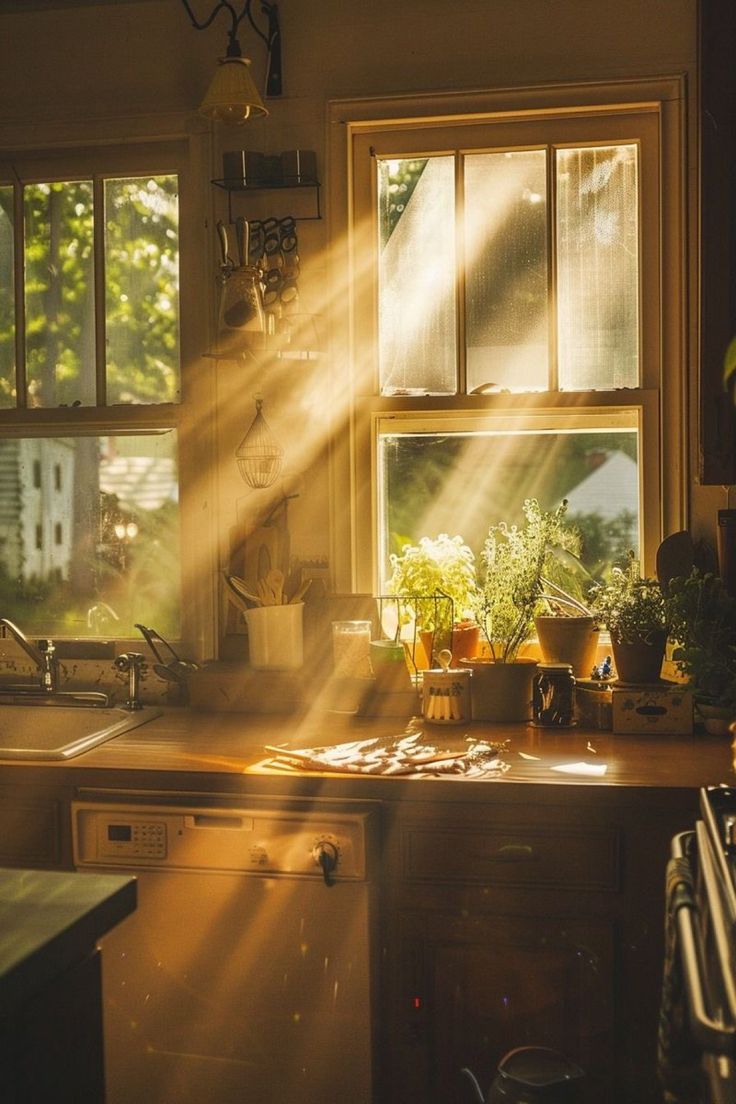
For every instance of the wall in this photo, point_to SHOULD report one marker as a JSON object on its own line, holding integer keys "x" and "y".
{"x": 126, "y": 58}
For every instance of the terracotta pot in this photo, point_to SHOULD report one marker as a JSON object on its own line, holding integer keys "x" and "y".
{"x": 572, "y": 640}
{"x": 716, "y": 719}
{"x": 501, "y": 692}
{"x": 465, "y": 643}
{"x": 640, "y": 662}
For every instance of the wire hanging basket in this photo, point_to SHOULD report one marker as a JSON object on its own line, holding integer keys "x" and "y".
{"x": 260, "y": 458}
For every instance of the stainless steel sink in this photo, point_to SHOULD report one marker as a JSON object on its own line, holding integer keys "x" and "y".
{"x": 61, "y": 727}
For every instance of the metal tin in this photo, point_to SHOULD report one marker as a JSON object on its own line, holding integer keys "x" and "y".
{"x": 244, "y": 167}
{"x": 446, "y": 696}
{"x": 299, "y": 166}
{"x": 553, "y": 696}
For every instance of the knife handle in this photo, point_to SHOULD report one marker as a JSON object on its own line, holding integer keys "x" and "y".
{"x": 222, "y": 235}
{"x": 241, "y": 239}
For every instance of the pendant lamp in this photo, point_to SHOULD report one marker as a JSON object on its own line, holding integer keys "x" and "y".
{"x": 232, "y": 96}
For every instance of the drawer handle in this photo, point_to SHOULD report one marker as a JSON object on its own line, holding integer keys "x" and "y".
{"x": 516, "y": 851}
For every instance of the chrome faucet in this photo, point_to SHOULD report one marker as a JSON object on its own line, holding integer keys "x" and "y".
{"x": 44, "y": 656}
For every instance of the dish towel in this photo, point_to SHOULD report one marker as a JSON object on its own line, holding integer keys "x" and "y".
{"x": 678, "y": 1058}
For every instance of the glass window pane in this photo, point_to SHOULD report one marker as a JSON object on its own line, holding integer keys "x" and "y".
{"x": 460, "y": 483}
{"x": 506, "y": 271}
{"x": 597, "y": 267}
{"x": 92, "y": 546}
{"x": 142, "y": 289}
{"x": 7, "y": 299}
{"x": 416, "y": 276}
{"x": 59, "y": 293}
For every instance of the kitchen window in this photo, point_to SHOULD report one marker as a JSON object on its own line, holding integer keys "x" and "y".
{"x": 513, "y": 334}
{"x": 90, "y": 389}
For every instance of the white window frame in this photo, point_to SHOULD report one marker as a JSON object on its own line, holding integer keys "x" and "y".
{"x": 127, "y": 148}
{"x": 360, "y": 128}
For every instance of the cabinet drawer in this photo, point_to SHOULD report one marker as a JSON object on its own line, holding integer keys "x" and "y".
{"x": 565, "y": 857}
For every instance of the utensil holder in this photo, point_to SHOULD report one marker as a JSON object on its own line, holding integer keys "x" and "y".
{"x": 276, "y": 637}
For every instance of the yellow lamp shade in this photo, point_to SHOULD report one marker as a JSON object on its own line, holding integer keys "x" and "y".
{"x": 232, "y": 96}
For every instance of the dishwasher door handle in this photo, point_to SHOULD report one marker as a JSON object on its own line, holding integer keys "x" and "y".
{"x": 228, "y": 822}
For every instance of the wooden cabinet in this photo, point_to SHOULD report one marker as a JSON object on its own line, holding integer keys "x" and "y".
{"x": 717, "y": 238}
{"x": 525, "y": 922}
{"x": 34, "y": 826}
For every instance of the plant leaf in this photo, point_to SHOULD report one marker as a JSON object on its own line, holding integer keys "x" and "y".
{"x": 729, "y": 365}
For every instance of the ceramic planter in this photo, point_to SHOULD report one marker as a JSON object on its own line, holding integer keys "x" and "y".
{"x": 501, "y": 692}
{"x": 641, "y": 661}
{"x": 572, "y": 640}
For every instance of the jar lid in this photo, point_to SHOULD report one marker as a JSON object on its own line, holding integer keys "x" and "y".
{"x": 441, "y": 676}
{"x": 567, "y": 667}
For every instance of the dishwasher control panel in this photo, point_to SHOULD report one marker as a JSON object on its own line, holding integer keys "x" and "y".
{"x": 132, "y": 838}
{"x": 257, "y": 841}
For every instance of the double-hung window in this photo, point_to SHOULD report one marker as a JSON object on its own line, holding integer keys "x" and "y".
{"x": 517, "y": 318}
{"x": 90, "y": 389}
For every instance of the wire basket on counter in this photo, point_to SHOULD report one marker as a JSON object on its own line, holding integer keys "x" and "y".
{"x": 401, "y": 616}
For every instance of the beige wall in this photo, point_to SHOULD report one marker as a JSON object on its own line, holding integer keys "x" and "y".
{"x": 105, "y": 61}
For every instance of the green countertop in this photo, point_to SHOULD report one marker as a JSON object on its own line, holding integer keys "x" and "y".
{"x": 48, "y": 921}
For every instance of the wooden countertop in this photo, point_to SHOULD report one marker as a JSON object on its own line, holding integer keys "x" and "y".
{"x": 49, "y": 920}
{"x": 190, "y": 750}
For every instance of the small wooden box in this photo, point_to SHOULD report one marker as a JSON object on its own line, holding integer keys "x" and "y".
{"x": 665, "y": 708}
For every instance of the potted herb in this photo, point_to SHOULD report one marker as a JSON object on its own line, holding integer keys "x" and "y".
{"x": 632, "y": 608}
{"x": 514, "y": 562}
{"x": 567, "y": 629}
{"x": 424, "y": 577}
{"x": 702, "y": 620}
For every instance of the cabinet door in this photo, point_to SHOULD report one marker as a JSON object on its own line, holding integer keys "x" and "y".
{"x": 717, "y": 41}
{"x": 32, "y": 826}
{"x": 471, "y": 988}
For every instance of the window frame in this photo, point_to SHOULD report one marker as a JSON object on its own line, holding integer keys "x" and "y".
{"x": 360, "y": 128}
{"x": 126, "y": 148}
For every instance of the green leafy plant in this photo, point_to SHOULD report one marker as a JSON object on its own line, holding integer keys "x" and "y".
{"x": 444, "y": 568}
{"x": 516, "y": 564}
{"x": 702, "y": 618}
{"x": 729, "y": 366}
{"x": 630, "y": 606}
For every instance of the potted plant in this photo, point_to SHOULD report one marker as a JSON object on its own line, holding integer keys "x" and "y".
{"x": 632, "y": 608}
{"x": 425, "y": 576}
{"x": 567, "y": 629}
{"x": 514, "y": 562}
{"x": 702, "y": 619}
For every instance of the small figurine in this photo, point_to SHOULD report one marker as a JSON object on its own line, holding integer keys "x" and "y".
{"x": 603, "y": 670}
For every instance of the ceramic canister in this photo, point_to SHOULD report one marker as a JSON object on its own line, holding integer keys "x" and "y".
{"x": 446, "y": 696}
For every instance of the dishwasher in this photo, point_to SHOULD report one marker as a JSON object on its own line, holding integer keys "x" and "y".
{"x": 246, "y": 972}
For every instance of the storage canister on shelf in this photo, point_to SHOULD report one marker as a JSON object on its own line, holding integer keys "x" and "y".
{"x": 553, "y": 696}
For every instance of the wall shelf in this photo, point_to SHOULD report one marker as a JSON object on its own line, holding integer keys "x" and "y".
{"x": 233, "y": 187}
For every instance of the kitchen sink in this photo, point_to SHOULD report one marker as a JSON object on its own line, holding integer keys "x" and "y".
{"x": 61, "y": 726}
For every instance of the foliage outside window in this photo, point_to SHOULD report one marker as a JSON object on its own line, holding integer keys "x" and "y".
{"x": 89, "y": 526}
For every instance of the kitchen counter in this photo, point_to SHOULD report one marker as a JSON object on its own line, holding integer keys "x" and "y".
{"x": 187, "y": 749}
{"x": 576, "y": 857}
{"x": 49, "y": 920}
{"x": 50, "y": 982}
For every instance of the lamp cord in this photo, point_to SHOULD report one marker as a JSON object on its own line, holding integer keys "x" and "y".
{"x": 269, "y": 9}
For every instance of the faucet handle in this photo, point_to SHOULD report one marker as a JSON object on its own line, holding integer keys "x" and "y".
{"x": 134, "y": 663}
{"x": 50, "y": 667}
